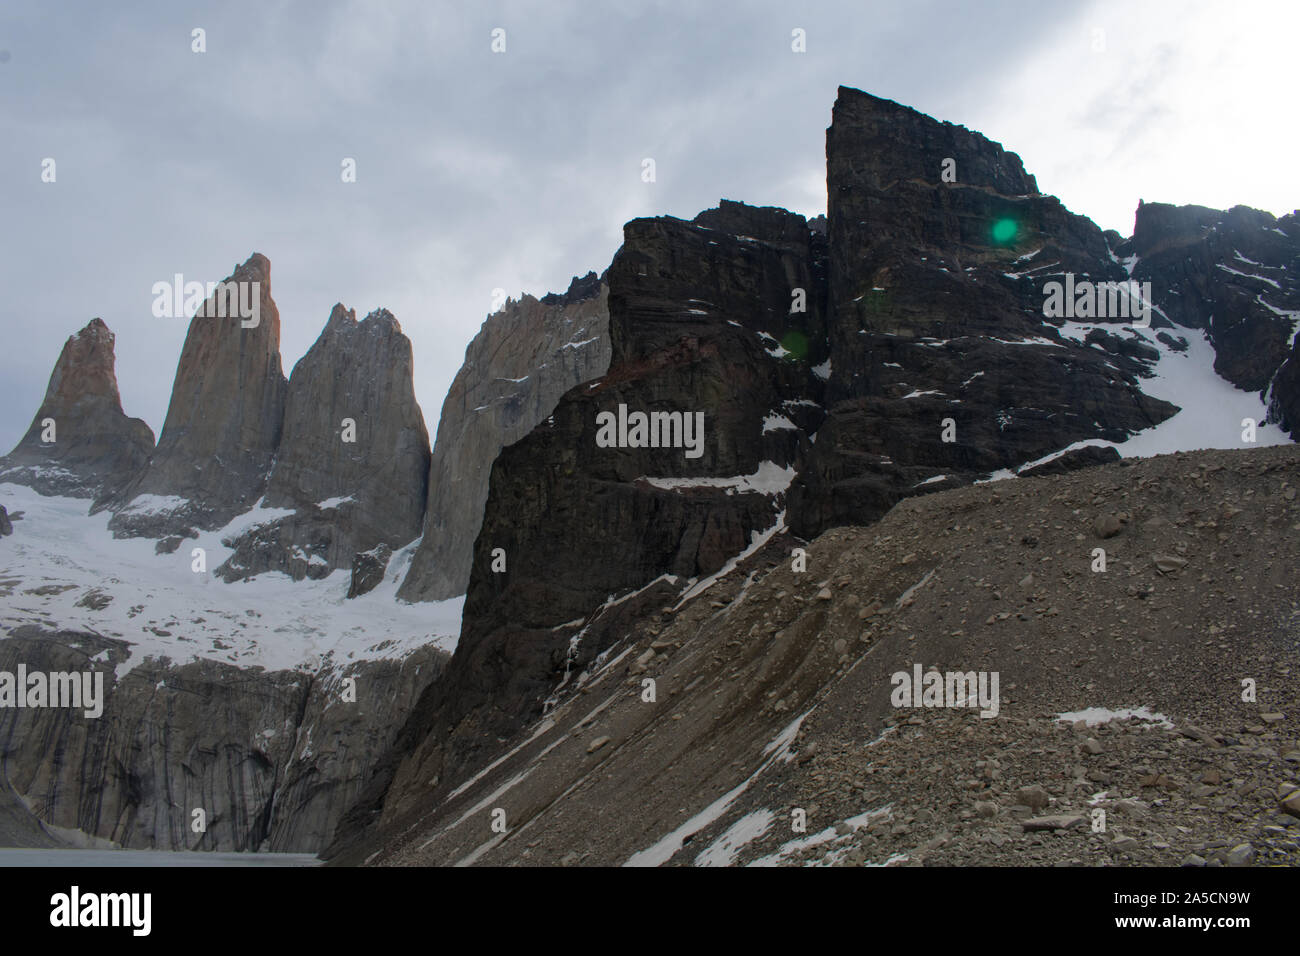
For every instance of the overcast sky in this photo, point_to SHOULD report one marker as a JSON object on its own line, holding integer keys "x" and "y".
{"x": 478, "y": 170}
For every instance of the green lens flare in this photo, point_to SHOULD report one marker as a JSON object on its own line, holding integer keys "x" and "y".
{"x": 1004, "y": 230}
{"x": 796, "y": 343}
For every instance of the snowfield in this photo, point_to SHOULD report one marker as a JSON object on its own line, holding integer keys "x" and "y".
{"x": 1212, "y": 407}
{"x": 61, "y": 562}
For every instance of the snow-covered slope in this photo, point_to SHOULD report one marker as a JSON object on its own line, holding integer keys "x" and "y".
{"x": 1212, "y": 409}
{"x": 63, "y": 569}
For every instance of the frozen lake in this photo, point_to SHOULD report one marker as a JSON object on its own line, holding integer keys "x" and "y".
{"x": 87, "y": 858}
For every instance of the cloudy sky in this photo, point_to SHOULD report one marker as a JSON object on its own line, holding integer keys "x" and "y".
{"x": 478, "y": 170}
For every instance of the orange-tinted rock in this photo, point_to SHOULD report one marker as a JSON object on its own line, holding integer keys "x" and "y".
{"x": 96, "y": 447}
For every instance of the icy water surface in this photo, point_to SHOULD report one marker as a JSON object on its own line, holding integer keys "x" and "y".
{"x": 82, "y": 858}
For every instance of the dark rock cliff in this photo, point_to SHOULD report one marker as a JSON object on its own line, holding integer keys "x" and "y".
{"x": 936, "y": 305}
{"x": 924, "y": 359}
{"x": 1235, "y": 274}
{"x": 700, "y": 324}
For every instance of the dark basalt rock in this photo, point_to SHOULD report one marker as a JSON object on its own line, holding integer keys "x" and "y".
{"x": 368, "y": 569}
{"x": 937, "y": 313}
{"x": 1232, "y": 273}
{"x": 97, "y": 448}
{"x": 1284, "y": 393}
{"x": 1072, "y": 460}
{"x": 6, "y": 526}
{"x": 924, "y": 308}
{"x": 696, "y": 313}
{"x": 580, "y": 289}
{"x": 1175, "y": 342}
{"x": 1134, "y": 346}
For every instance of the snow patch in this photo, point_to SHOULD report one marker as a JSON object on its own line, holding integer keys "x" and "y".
{"x": 769, "y": 479}
{"x": 662, "y": 850}
{"x": 1092, "y": 716}
{"x": 724, "y": 850}
{"x": 155, "y": 504}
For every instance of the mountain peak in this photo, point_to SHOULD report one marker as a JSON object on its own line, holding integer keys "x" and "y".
{"x": 256, "y": 267}
{"x": 227, "y": 406}
{"x": 340, "y": 316}
{"x": 95, "y": 447}
{"x": 382, "y": 320}
{"x": 894, "y": 143}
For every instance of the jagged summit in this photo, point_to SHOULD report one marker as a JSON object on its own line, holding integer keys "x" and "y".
{"x": 381, "y": 318}
{"x": 95, "y": 447}
{"x": 256, "y": 267}
{"x": 522, "y": 360}
{"x": 580, "y": 288}
{"x": 1234, "y": 273}
{"x": 769, "y": 223}
{"x": 85, "y": 370}
{"x": 896, "y": 143}
{"x": 223, "y": 422}
{"x": 340, "y": 316}
{"x": 353, "y": 457}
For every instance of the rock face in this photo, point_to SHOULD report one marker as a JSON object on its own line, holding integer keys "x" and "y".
{"x": 96, "y": 449}
{"x": 937, "y": 296}
{"x": 353, "y": 458}
{"x": 925, "y": 357}
{"x": 1284, "y": 394}
{"x": 1235, "y": 274}
{"x": 223, "y": 424}
{"x": 273, "y": 759}
{"x": 698, "y": 312}
{"x": 18, "y": 827}
{"x": 523, "y": 359}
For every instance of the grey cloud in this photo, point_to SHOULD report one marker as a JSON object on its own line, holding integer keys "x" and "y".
{"x": 475, "y": 170}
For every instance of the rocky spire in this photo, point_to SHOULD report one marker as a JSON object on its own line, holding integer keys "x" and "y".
{"x": 224, "y": 420}
{"x": 523, "y": 359}
{"x": 80, "y": 443}
{"x": 353, "y": 459}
